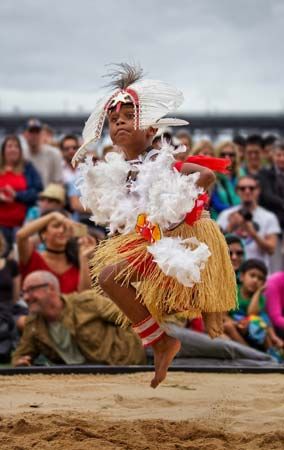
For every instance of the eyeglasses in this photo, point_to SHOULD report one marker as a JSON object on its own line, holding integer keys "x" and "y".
{"x": 71, "y": 147}
{"x": 237, "y": 252}
{"x": 229, "y": 155}
{"x": 32, "y": 289}
{"x": 250, "y": 188}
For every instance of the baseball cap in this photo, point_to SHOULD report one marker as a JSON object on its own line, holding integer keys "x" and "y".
{"x": 33, "y": 124}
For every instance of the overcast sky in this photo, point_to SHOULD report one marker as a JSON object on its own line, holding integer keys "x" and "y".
{"x": 225, "y": 55}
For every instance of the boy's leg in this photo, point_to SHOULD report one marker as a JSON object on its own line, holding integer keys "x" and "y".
{"x": 125, "y": 298}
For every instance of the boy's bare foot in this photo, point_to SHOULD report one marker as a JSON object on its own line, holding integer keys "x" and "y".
{"x": 164, "y": 352}
{"x": 213, "y": 323}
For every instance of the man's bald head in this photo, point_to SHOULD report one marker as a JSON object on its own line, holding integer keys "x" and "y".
{"x": 41, "y": 291}
{"x": 41, "y": 277}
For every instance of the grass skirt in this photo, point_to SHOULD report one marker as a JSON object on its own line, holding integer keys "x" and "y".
{"x": 164, "y": 295}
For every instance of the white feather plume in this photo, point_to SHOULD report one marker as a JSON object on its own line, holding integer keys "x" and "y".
{"x": 177, "y": 258}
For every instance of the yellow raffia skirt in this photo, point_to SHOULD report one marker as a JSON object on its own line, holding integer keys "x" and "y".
{"x": 164, "y": 295}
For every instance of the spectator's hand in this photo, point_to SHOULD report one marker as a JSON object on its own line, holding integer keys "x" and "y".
{"x": 249, "y": 228}
{"x": 277, "y": 342}
{"x": 24, "y": 361}
{"x": 10, "y": 192}
{"x": 5, "y": 196}
{"x": 56, "y": 215}
{"x": 235, "y": 220}
{"x": 87, "y": 245}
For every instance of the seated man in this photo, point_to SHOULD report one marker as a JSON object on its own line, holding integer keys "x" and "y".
{"x": 77, "y": 328}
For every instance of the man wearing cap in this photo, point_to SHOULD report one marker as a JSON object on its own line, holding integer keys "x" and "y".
{"x": 53, "y": 197}
{"x": 46, "y": 159}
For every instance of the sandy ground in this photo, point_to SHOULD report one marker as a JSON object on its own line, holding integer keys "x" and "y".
{"x": 189, "y": 411}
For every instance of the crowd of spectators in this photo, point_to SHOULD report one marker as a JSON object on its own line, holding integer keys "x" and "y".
{"x": 47, "y": 308}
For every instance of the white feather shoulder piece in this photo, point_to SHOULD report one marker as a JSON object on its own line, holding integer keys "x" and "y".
{"x": 104, "y": 191}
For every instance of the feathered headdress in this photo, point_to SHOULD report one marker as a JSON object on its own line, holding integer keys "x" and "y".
{"x": 151, "y": 99}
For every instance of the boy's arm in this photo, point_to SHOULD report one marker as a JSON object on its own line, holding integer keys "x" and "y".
{"x": 254, "y": 306}
{"x": 207, "y": 177}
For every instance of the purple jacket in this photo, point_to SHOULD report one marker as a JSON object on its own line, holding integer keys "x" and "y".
{"x": 274, "y": 294}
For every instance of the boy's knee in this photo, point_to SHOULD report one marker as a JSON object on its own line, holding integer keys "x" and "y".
{"x": 229, "y": 325}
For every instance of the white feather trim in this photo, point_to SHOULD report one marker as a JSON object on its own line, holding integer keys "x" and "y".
{"x": 176, "y": 258}
{"x": 162, "y": 193}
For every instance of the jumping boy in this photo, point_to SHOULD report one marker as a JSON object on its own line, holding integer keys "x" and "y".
{"x": 134, "y": 112}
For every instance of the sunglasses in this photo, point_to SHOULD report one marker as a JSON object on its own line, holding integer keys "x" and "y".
{"x": 250, "y": 188}
{"x": 227, "y": 154}
{"x": 237, "y": 252}
{"x": 50, "y": 200}
{"x": 32, "y": 289}
{"x": 71, "y": 147}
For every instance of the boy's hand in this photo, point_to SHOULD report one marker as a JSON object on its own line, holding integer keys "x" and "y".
{"x": 242, "y": 324}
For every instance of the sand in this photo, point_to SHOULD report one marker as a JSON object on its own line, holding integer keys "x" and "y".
{"x": 188, "y": 411}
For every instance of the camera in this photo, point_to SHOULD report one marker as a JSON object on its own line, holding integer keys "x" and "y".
{"x": 246, "y": 214}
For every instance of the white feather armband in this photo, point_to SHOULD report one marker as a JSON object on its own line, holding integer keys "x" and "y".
{"x": 182, "y": 259}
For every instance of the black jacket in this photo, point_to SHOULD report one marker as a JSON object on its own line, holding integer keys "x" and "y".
{"x": 270, "y": 197}
{"x": 34, "y": 185}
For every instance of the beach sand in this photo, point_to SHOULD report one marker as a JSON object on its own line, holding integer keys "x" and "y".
{"x": 188, "y": 411}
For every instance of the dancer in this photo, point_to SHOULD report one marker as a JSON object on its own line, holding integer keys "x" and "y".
{"x": 165, "y": 255}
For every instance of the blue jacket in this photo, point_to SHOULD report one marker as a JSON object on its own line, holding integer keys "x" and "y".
{"x": 34, "y": 185}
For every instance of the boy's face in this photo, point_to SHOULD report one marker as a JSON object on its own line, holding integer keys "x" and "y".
{"x": 252, "y": 280}
{"x": 122, "y": 132}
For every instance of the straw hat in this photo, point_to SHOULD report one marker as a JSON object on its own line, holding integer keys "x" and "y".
{"x": 55, "y": 192}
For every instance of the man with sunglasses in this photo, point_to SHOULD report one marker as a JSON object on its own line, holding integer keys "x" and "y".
{"x": 257, "y": 227}
{"x": 78, "y": 328}
{"x": 68, "y": 146}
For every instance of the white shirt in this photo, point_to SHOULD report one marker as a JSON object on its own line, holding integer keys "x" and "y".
{"x": 267, "y": 224}
{"x": 47, "y": 161}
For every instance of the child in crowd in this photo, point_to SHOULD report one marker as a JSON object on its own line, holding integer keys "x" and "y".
{"x": 249, "y": 323}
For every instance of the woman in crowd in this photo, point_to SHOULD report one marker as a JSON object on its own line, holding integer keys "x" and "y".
{"x": 236, "y": 251}
{"x": 203, "y": 147}
{"x": 66, "y": 257}
{"x": 224, "y": 193}
{"x": 20, "y": 184}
